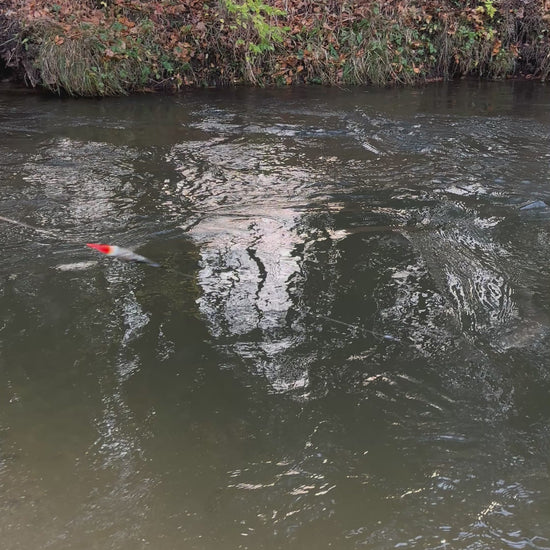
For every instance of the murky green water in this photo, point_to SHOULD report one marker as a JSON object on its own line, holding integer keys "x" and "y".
{"x": 347, "y": 347}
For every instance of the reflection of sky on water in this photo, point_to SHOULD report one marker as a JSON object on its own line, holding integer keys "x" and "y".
{"x": 247, "y": 263}
{"x": 248, "y": 201}
{"x": 77, "y": 181}
{"x": 248, "y": 268}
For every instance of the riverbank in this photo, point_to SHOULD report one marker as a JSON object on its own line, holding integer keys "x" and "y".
{"x": 114, "y": 47}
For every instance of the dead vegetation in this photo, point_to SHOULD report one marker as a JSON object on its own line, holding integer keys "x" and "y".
{"x": 109, "y": 47}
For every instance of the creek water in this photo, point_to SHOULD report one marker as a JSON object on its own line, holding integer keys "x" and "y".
{"x": 347, "y": 345}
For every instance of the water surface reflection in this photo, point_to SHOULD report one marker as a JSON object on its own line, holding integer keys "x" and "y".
{"x": 347, "y": 346}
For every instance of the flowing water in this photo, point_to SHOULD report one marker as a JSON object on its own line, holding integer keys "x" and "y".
{"x": 347, "y": 345}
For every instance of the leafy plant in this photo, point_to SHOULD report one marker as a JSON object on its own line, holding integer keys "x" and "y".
{"x": 490, "y": 9}
{"x": 252, "y": 15}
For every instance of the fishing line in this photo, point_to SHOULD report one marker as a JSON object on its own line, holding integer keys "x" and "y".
{"x": 37, "y": 229}
{"x": 355, "y": 327}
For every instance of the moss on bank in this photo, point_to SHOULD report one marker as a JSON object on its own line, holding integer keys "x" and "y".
{"x": 109, "y": 47}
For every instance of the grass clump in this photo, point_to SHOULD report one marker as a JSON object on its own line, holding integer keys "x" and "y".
{"x": 85, "y": 66}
